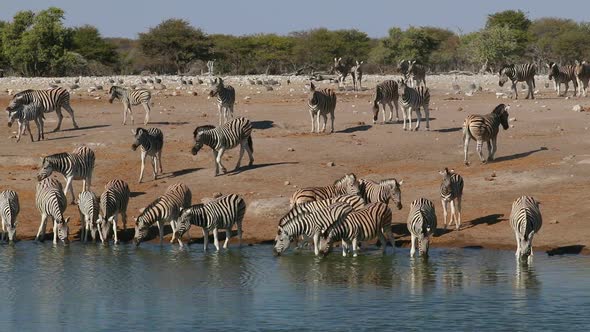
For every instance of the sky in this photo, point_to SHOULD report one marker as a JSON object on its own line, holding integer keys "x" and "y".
{"x": 126, "y": 18}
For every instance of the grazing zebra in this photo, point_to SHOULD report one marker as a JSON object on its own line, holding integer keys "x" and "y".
{"x": 151, "y": 141}
{"x": 421, "y": 224}
{"x": 225, "y": 137}
{"x": 343, "y": 68}
{"x": 384, "y": 191}
{"x": 23, "y": 113}
{"x": 77, "y": 165}
{"x": 51, "y": 202}
{"x": 226, "y": 97}
{"x": 357, "y": 75}
{"x": 451, "y": 190}
{"x": 347, "y": 185}
{"x": 113, "y": 201}
{"x": 563, "y": 74}
{"x": 221, "y": 213}
{"x": 89, "y": 208}
{"x": 9, "y": 209}
{"x": 485, "y": 128}
{"x": 413, "y": 99}
{"x": 526, "y": 221}
{"x": 49, "y": 101}
{"x": 417, "y": 73}
{"x": 519, "y": 73}
{"x": 374, "y": 220}
{"x": 583, "y": 76}
{"x": 386, "y": 94}
{"x": 131, "y": 98}
{"x": 321, "y": 103}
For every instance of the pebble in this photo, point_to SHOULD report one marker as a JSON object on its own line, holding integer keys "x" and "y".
{"x": 287, "y": 183}
{"x": 217, "y": 194}
{"x": 290, "y": 149}
{"x": 247, "y": 98}
{"x": 330, "y": 164}
{"x": 578, "y": 108}
{"x": 512, "y": 119}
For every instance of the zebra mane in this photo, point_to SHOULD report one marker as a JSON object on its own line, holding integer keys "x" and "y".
{"x": 499, "y": 109}
{"x": 201, "y": 129}
{"x": 343, "y": 179}
{"x": 504, "y": 66}
{"x": 55, "y": 156}
{"x": 389, "y": 182}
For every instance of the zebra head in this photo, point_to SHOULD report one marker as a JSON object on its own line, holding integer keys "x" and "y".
{"x": 325, "y": 244}
{"x": 525, "y": 245}
{"x": 114, "y": 93}
{"x": 348, "y": 184}
{"x": 46, "y": 169}
{"x": 62, "y": 230}
{"x": 140, "y": 135}
{"x": 197, "y": 137}
{"x": 14, "y": 108}
{"x": 282, "y": 242}
{"x": 503, "y": 75}
{"x": 553, "y": 70}
{"x": 396, "y": 193}
{"x": 446, "y": 175}
{"x": 217, "y": 85}
{"x": 102, "y": 226}
{"x": 402, "y": 67}
{"x": 501, "y": 112}
{"x": 11, "y": 230}
{"x": 402, "y": 84}
{"x": 423, "y": 245}
{"x": 141, "y": 231}
{"x": 411, "y": 66}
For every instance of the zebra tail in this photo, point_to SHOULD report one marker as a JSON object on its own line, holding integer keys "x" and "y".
{"x": 250, "y": 144}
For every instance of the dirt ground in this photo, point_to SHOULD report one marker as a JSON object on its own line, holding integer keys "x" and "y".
{"x": 545, "y": 154}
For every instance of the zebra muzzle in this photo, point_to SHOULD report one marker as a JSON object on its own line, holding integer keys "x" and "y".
{"x": 134, "y": 147}
{"x": 9, "y": 124}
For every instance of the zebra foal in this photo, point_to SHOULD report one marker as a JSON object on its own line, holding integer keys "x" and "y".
{"x": 421, "y": 224}
{"x": 49, "y": 101}
{"x": 485, "y": 128}
{"x": 321, "y": 103}
{"x": 23, "y": 114}
{"x": 346, "y": 185}
{"x": 131, "y": 98}
{"x": 51, "y": 202}
{"x": 526, "y": 221}
{"x": 451, "y": 191}
{"x": 151, "y": 141}
{"x": 519, "y": 73}
{"x": 412, "y": 99}
{"x": 113, "y": 201}
{"x": 386, "y": 94}
{"x": 226, "y": 98}
{"x": 9, "y": 209}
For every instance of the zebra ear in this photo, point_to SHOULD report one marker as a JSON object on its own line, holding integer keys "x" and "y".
{"x": 132, "y": 132}
{"x": 400, "y": 182}
{"x": 67, "y": 220}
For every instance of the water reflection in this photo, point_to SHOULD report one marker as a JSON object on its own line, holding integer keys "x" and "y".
{"x": 526, "y": 277}
{"x": 422, "y": 275}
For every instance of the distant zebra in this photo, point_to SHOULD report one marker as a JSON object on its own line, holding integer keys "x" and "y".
{"x": 384, "y": 191}
{"x": 583, "y": 76}
{"x": 451, "y": 190}
{"x": 226, "y": 97}
{"x": 51, "y": 202}
{"x": 89, "y": 208}
{"x": 386, "y": 94}
{"x": 563, "y": 75}
{"x": 343, "y": 69}
{"x": 526, "y": 221}
{"x": 77, "y": 165}
{"x": 417, "y": 73}
{"x": 9, "y": 209}
{"x": 347, "y": 185}
{"x": 403, "y": 68}
{"x": 485, "y": 128}
{"x": 321, "y": 103}
{"x": 151, "y": 141}
{"x": 131, "y": 98}
{"x": 49, "y": 100}
{"x": 225, "y": 137}
{"x": 519, "y": 73}
{"x": 113, "y": 201}
{"x": 421, "y": 224}
{"x": 357, "y": 76}
{"x": 23, "y": 113}
{"x": 221, "y": 213}
{"x": 413, "y": 99}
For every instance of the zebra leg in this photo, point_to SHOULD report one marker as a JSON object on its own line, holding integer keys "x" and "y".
{"x": 239, "y": 234}
{"x": 575, "y": 84}
{"x": 396, "y": 104}
{"x": 516, "y": 92}
{"x": 173, "y": 226}
{"x": 318, "y": 122}
{"x": 355, "y": 247}
{"x": 154, "y": 167}
{"x": 143, "y": 154}
{"x": 28, "y": 126}
{"x": 250, "y": 153}
{"x": 454, "y": 215}
{"x": 517, "y": 253}
{"x": 220, "y": 112}
{"x": 130, "y": 113}
{"x": 494, "y": 147}
{"x": 54, "y": 231}
{"x": 418, "y": 118}
{"x": 70, "y": 188}
{"x": 231, "y": 111}
{"x": 331, "y": 121}
{"x": 124, "y": 114}
{"x": 404, "y": 114}
{"x": 227, "y": 237}
{"x": 413, "y": 247}
{"x": 427, "y": 114}
{"x": 147, "y": 109}
{"x": 160, "y": 161}
{"x": 383, "y": 239}
{"x": 325, "y": 118}
{"x": 218, "y": 161}
{"x": 215, "y": 238}
{"x": 70, "y": 111}
{"x": 124, "y": 219}
{"x": 243, "y": 143}
{"x": 205, "y": 239}
{"x": 161, "y": 231}
{"x": 312, "y": 121}
{"x": 3, "y": 237}
{"x": 444, "y": 205}
{"x": 567, "y": 87}
{"x": 59, "y": 119}
{"x": 114, "y": 220}
{"x": 20, "y": 131}
{"x": 458, "y": 212}
{"x": 479, "y": 148}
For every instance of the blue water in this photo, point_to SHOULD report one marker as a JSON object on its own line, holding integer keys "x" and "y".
{"x": 90, "y": 287}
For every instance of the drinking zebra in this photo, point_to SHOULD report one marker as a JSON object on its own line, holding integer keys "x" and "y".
{"x": 51, "y": 202}
{"x": 131, "y": 98}
{"x": 421, "y": 224}
{"x": 113, "y": 201}
{"x": 89, "y": 208}
{"x": 583, "y": 76}
{"x": 226, "y": 97}
{"x": 413, "y": 99}
{"x": 519, "y": 73}
{"x": 563, "y": 75}
{"x": 151, "y": 141}
{"x": 417, "y": 73}
{"x": 357, "y": 76}
{"x": 384, "y": 191}
{"x": 347, "y": 185}
{"x": 182, "y": 197}
{"x": 77, "y": 165}
{"x": 225, "y": 137}
{"x": 485, "y": 128}
{"x": 386, "y": 94}
{"x": 23, "y": 113}
{"x": 221, "y": 213}
{"x": 9, "y": 209}
{"x": 451, "y": 191}
{"x": 49, "y": 101}
{"x": 321, "y": 103}
{"x": 526, "y": 221}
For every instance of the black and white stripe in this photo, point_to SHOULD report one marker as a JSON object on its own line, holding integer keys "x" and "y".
{"x": 113, "y": 201}
{"x": 412, "y": 99}
{"x": 357, "y": 76}
{"x": 519, "y": 73}
{"x": 342, "y": 69}
{"x": 347, "y": 185}
{"x": 485, "y": 128}
{"x": 89, "y": 208}
{"x": 23, "y": 113}
{"x": 355, "y": 201}
{"x": 9, "y": 209}
{"x": 383, "y": 191}
{"x": 131, "y": 98}
{"x": 417, "y": 73}
{"x": 403, "y": 68}
{"x": 49, "y": 101}
{"x": 526, "y": 221}
{"x": 583, "y": 76}
{"x": 182, "y": 197}
{"x": 51, "y": 202}
{"x": 451, "y": 191}
{"x": 151, "y": 141}
{"x": 321, "y": 103}
{"x": 563, "y": 75}
{"x": 226, "y": 97}
{"x": 421, "y": 224}
{"x": 386, "y": 94}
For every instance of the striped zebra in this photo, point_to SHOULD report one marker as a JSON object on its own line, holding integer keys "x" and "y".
{"x": 372, "y": 221}
{"x": 386, "y": 94}
{"x": 23, "y": 114}
{"x": 113, "y": 201}
{"x": 421, "y": 224}
{"x": 563, "y": 75}
{"x": 343, "y": 69}
{"x": 485, "y": 128}
{"x": 77, "y": 165}
{"x": 412, "y": 99}
{"x": 583, "y": 76}
{"x": 151, "y": 141}
{"x": 321, "y": 103}
{"x": 225, "y": 137}
{"x": 417, "y": 74}
{"x": 181, "y": 196}
{"x": 221, "y": 213}
{"x": 403, "y": 68}
{"x": 51, "y": 202}
{"x": 49, "y": 100}
{"x": 519, "y": 73}
{"x": 89, "y": 208}
{"x": 9, "y": 209}
{"x": 383, "y": 191}
{"x": 357, "y": 76}
{"x": 526, "y": 221}
{"x": 131, "y": 98}
{"x": 226, "y": 97}
{"x": 347, "y": 185}
{"x": 451, "y": 191}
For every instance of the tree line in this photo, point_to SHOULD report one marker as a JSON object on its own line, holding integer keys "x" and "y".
{"x": 38, "y": 44}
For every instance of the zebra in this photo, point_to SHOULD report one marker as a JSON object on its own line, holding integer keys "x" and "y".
{"x": 526, "y": 221}
{"x": 357, "y": 75}
{"x": 519, "y": 73}
{"x": 151, "y": 141}
{"x": 226, "y": 97}
{"x": 451, "y": 190}
{"x": 485, "y": 128}
{"x": 89, "y": 208}
{"x": 113, "y": 201}
{"x": 343, "y": 68}
{"x": 9, "y": 209}
{"x": 386, "y": 94}
{"x": 131, "y": 98}
{"x": 583, "y": 76}
{"x": 321, "y": 103}
{"x": 374, "y": 220}
{"x": 403, "y": 67}
{"x": 77, "y": 165}
{"x": 225, "y": 137}
{"x": 49, "y": 100}
{"x": 221, "y": 213}
{"x": 413, "y": 99}
{"x": 51, "y": 202}
{"x": 348, "y": 184}
{"x": 421, "y": 224}
{"x": 563, "y": 74}
{"x": 23, "y": 113}
{"x": 182, "y": 197}
{"x": 384, "y": 191}
{"x": 417, "y": 73}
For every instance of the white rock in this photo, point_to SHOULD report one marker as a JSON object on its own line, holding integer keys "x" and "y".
{"x": 578, "y": 108}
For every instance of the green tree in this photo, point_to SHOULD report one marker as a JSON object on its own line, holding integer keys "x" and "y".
{"x": 494, "y": 46}
{"x": 87, "y": 41}
{"x": 513, "y": 19}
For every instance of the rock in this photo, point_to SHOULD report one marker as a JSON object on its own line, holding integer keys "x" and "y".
{"x": 460, "y": 109}
{"x": 247, "y": 98}
{"x": 290, "y": 149}
{"x": 287, "y": 183}
{"x": 10, "y": 92}
{"x": 217, "y": 194}
{"x": 568, "y": 158}
{"x": 493, "y": 174}
{"x": 578, "y": 108}
{"x": 97, "y": 98}
{"x": 330, "y": 164}
{"x": 554, "y": 221}
{"x": 487, "y": 178}
{"x": 194, "y": 93}
{"x": 512, "y": 119}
